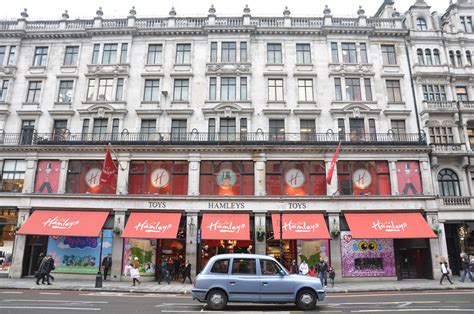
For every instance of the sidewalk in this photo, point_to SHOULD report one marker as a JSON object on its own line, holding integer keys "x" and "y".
{"x": 178, "y": 288}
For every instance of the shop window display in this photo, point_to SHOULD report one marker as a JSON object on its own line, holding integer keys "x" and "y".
{"x": 363, "y": 178}
{"x": 158, "y": 177}
{"x": 296, "y": 178}
{"x": 227, "y": 178}
{"x": 409, "y": 178}
{"x": 47, "y": 176}
{"x": 8, "y": 221}
{"x": 83, "y": 177}
{"x": 311, "y": 251}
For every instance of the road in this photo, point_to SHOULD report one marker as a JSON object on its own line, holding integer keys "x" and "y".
{"x": 51, "y": 302}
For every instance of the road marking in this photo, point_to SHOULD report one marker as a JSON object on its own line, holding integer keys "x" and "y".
{"x": 395, "y": 294}
{"x": 385, "y": 303}
{"x": 49, "y": 308}
{"x": 415, "y": 310}
{"x": 12, "y": 292}
{"x": 56, "y": 301}
{"x": 50, "y": 293}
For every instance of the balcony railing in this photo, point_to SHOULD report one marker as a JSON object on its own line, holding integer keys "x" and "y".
{"x": 448, "y": 148}
{"x": 440, "y": 105}
{"x": 259, "y": 138}
{"x": 456, "y": 201}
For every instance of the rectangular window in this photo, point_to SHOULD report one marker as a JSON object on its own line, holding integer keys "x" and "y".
{"x": 434, "y": 93}
{"x": 183, "y": 53}
{"x": 70, "y": 55}
{"x": 388, "y": 54}
{"x": 226, "y": 178}
{"x": 109, "y": 55}
{"x": 243, "y": 88}
{"x": 307, "y": 130}
{"x": 245, "y": 266}
{"x": 115, "y": 129}
{"x": 305, "y": 90}
{"x": 363, "y": 53}
{"x": 4, "y": 90}
{"x": 469, "y": 24}
{"x": 34, "y": 91}
{"x": 353, "y": 89}
{"x": 368, "y": 90}
{"x": 155, "y": 54}
{"x": 211, "y": 129}
{"x": 212, "y": 88}
{"x": 228, "y": 88}
{"x": 463, "y": 23}
{"x": 228, "y": 52}
{"x": 334, "y": 53}
{"x": 357, "y": 129}
{"x": 3, "y": 50}
{"x": 83, "y": 176}
{"x": 105, "y": 89}
{"x": 441, "y": 135}
{"x": 274, "y": 55}
{"x": 227, "y": 129}
{"x": 123, "y": 53}
{"x": 372, "y": 129}
{"x": 399, "y": 129}
{"x": 181, "y": 90}
{"x": 243, "y": 51}
{"x": 65, "y": 91}
{"x": 338, "y": 89}
{"x": 27, "y": 132}
{"x": 158, "y": 177}
{"x": 119, "y": 89}
{"x": 461, "y": 92}
{"x": 393, "y": 91}
{"x": 213, "y": 51}
{"x": 41, "y": 55}
{"x": 85, "y": 126}
{"x": 152, "y": 90}
{"x": 275, "y": 89}
{"x": 341, "y": 129}
{"x": 59, "y": 128}
{"x": 147, "y": 129}
{"x": 363, "y": 178}
{"x": 303, "y": 53}
{"x": 178, "y": 130}
{"x": 243, "y": 127}
{"x": 276, "y": 130}
{"x": 95, "y": 54}
{"x": 349, "y": 53}
{"x": 90, "y": 90}
{"x": 13, "y": 175}
{"x": 11, "y": 56}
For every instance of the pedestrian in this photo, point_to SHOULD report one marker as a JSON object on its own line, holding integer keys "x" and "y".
{"x": 51, "y": 267}
{"x": 304, "y": 268}
{"x": 312, "y": 271}
{"x": 187, "y": 272}
{"x": 106, "y": 265}
{"x": 38, "y": 263}
{"x": 42, "y": 271}
{"x": 465, "y": 267}
{"x": 164, "y": 273}
{"x": 323, "y": 272}
{"x": 444, "y": 270}
{"x": 135, "y": 274}
{"x": 176, "y": 264}
{"x": 293, "y": 267}
{"x": 136, "y": 263}
{"x": 471, "y": 264}
{"x": 332, "y": 276}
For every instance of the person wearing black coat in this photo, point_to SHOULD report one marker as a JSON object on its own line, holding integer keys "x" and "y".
{"x": 106, "y": 265}
{"x": 43, "y": 271}
{"x": 187, "y": 272}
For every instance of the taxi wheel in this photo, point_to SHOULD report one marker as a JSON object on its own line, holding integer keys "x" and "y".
{"x": 306, "y": 300}
{"x": 216, "y": 300}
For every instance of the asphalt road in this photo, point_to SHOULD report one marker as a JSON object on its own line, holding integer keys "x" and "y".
{"x": 52, "y": 302}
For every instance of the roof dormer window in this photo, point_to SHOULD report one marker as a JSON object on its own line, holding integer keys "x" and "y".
{"x": 421, "y": 24}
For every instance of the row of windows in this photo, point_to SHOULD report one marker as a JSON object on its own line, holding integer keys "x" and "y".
{"x": 428, "y": 57}
{"x": 432, "y": 92}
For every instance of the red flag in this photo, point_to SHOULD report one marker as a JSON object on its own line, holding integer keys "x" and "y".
{"x": 109, "y": 169}
{"x": 333, "y": 164}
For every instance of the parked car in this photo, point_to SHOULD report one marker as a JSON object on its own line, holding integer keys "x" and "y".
{"x": 255, "y": 279}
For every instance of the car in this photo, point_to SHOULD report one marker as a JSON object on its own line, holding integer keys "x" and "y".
{"x": 254, "y": 278}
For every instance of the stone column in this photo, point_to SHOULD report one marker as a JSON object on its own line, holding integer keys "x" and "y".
{"x": 117, "y": 246}
{"x": 16, "y": 268}
{"x": 29, "y": 182}
{"x": 426, "y": 178}
{"x": 335, "y": 243}
{"x": 123, "y": 174}
{"x": 63, "y": 176}
{"x": 192, "y": 240}
{"x": 392, "y": 165}
{"x": 437, "y": 245}
{"x": 260, "y": 223}
{"x": 193, "y": 174}
{"x": 260, "y": 175}
{"x": 332, "y": 189}
{"x": 466, "y": 137}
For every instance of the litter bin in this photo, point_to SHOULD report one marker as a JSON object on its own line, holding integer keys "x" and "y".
{"x": 98, "y": 280}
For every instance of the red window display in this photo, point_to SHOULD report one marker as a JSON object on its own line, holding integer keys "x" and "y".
{"x": 227, "y": 178}
{"x": 409, "y": 178}
{"x": 363, "y": 178}
{"x": 296, "y": 178}
{"x": 83, "y": 176}
{"x": 158, "y": 177}
{"x": 47, "y": 176}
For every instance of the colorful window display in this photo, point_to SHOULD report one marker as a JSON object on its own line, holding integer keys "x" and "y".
{"x": 363, "y": 178}
{"x": 8, "y": 220}
{"x": 159, "y": 177}
{"x": 79, "y": 255}
{"x": 227, "y": 178}
{"x": 409, "y": 178}
{"x": 47, "y": 176}
{"x": 296, "y": 178}
{"x": 83, "y": 176}
{"x": 367, "y": 257}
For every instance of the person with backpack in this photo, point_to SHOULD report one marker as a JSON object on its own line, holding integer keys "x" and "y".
{"x": 332, "y": 276}
{"x": 444, "y": 271}
{"x": 164, "y": 274}
{"x": 465, "y": 267}
{"x": 294, "y": 267}
{"x": 323, "y": 272}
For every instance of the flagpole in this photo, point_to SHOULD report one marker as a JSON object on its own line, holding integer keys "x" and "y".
{"x": 116, "y": 156}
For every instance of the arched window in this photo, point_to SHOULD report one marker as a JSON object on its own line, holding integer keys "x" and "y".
{"x": 451, "y": 58}
{"x": 419, "y": 53}
{"x": 448, "y": 183}
{"x": 468, "y": 58}
{"x": 437, "y": 59}
{"x": 421, "y": 24}
{"x": 459, "y": 58}
{"x": 428, "y": 59}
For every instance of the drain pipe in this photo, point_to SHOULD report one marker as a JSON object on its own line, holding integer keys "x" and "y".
{"x": 413, "y": 91}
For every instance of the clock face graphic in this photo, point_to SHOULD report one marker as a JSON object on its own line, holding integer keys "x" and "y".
{"x": 226, "y": 178}
{"x": 294, "y": 178}
{"x": 362, "y": 178}
{"x": 93, "y": 177}
{"x": 160, "y": 178}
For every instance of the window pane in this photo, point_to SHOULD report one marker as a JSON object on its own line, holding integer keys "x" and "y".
{"x": 154, "y": 54}
{"x": 244, "y": 267}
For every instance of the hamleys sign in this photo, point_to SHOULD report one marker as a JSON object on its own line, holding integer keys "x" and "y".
{"x": 225, "y": 227}
{"x": 389, "y": 226}
{"x": 300, "y": 226}
{"x": 60, "y": 223}
{"x": 152, "y": 226}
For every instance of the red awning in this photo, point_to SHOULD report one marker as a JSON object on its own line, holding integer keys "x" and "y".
{"x": 225, "y": 227}
{"x": 300, "y": 226}
{"x": 389, "y": 226}
{"x": 64, "y": 223}
{"x": 152, "y": 226}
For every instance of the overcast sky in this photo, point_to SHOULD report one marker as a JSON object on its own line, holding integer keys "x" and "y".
{"x": 52, "y": 9}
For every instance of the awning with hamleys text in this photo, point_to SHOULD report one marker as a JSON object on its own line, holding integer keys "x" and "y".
{"x": 388, "y": 226}
{"x": 300, "y": 226}
{"x": 64, "y": 223}
{"x": 225, "y": 227}
{"x": 152, "y": 226}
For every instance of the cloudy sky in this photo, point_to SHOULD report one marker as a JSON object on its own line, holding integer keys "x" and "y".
{"x": 39, "y": 9}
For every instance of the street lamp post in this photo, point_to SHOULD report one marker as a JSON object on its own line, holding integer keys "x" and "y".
{"x": 281, "y": 236}
{"x": 98, "y": 277}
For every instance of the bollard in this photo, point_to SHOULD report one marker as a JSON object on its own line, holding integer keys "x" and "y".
{"x": 98, "y": 280}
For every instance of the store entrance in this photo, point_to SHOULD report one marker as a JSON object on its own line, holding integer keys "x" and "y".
{"x": 209, "y": 248}
{"x": 34, "y": 246}
{"x": 413, "y": 260}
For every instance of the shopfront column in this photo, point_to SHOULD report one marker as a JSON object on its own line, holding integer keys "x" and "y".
{"x": 393, "y": 177}
{"x": 437, "y": 245}
{"x": 16, "y": 268}
{"x": 117, "y": 245}
{"x": 260, "y": 175}
{"x": 63, "y": 176}
{"x": 123, "y": 174}
{"x": 335, "y": 244}
{"x": 193, "y": 174}
{"x": 29, "y": 182}
{"x": 192, "y": 239}
{"x": 332, "y": 189}
{"x": 260, "y": 223}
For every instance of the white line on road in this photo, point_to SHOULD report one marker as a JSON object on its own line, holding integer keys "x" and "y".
{"x": 56, "y": 301}
{"x": 342, "y": 295}
{"x": 415, "y": 310}
{"x": 50, "y": 293}
{"x": 12, "y": 292}
{"x": 386, "y": 303}
{"x": 50, "y": 308}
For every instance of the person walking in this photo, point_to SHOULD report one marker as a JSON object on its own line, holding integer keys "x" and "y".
{"x": 293, "y": 267}
{"x": 51, "y": 267}
{"x": 187, "y": 272}
{"x": 465, "y": 267}
{"x": 164, "y": 273}
{"x": 176, "y": 264}
{"x": 312, "y": 271}
{"x": 304, "y": 268}
{"x": 106, "y": 265}
{"x": 42, "y": 271}
{"x": 444, "y": 271}
{"x": 323, "y": 272}
{"x": 135, "y": 274}
{"x": 332, "y": 276}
